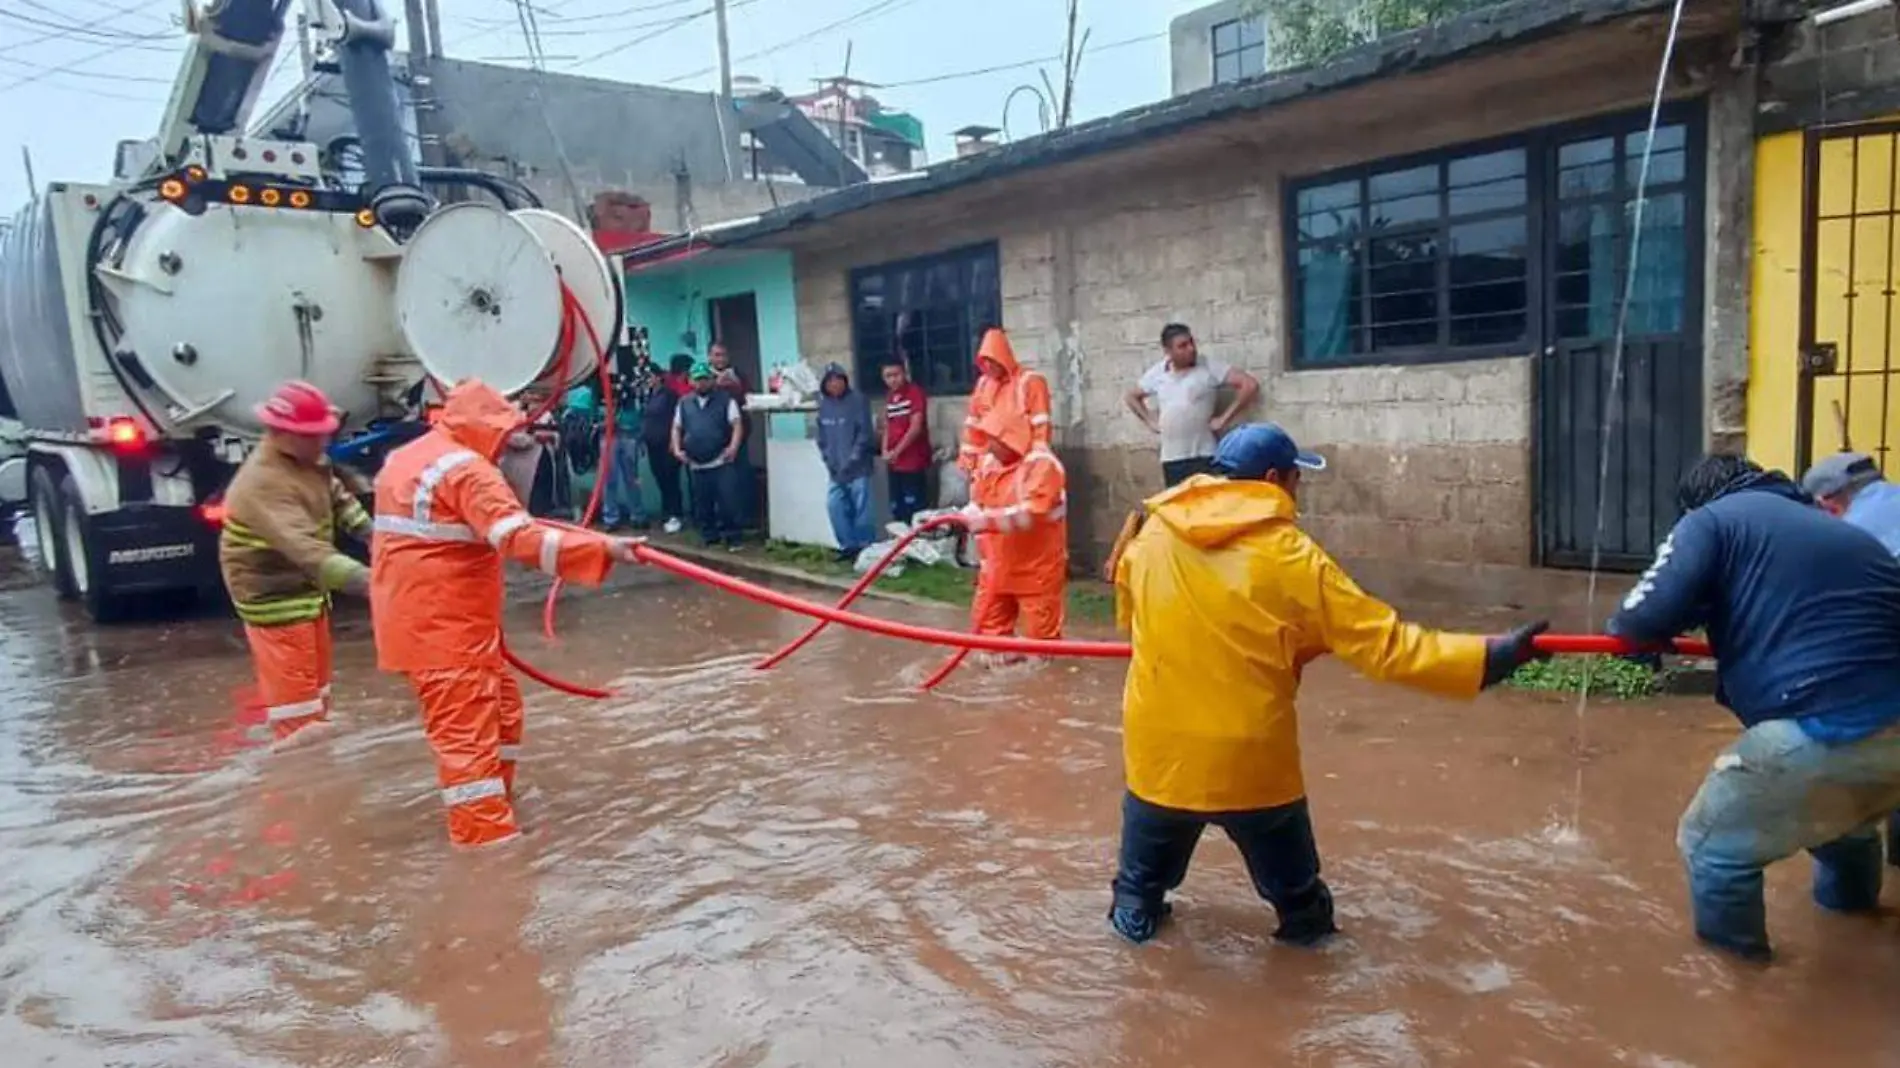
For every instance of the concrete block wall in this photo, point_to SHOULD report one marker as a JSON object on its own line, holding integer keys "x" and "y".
{"x": 1430, "y": 464}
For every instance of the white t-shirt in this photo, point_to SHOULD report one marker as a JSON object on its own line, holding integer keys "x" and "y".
{"x": 1187, "y": 400}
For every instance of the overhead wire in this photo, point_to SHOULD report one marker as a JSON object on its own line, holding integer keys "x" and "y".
{"x": 1612, "y": 406}
{"x": 1003, "y": 68}
{"x": 881, "y": 7}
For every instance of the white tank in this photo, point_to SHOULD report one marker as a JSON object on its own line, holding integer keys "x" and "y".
{"x": 223, "y": 307}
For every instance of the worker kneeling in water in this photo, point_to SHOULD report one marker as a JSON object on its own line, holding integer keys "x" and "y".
{"x": 445, "y": 517}
{"x": 1226, "y": 601}
{"x": 279, "y": 557}
{"x": 1018, "y": 512}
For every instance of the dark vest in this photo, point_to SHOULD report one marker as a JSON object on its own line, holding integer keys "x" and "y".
{"x": 704, "y": 429}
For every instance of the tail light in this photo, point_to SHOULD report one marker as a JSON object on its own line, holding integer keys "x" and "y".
{"x": 212, "y": 512}
{"x": 125, "y": 434}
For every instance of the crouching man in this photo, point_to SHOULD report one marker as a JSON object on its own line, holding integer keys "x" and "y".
{"x": 1226, "y": 600}
{"x": 1803, "y": 614}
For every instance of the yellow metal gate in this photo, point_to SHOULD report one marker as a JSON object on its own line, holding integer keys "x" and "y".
{"x": 1849, "y": 387}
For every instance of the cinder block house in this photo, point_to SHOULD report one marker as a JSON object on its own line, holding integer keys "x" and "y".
{"x": 1418, "y": 247}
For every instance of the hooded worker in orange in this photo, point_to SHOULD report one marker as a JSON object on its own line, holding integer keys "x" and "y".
{"x": 277, "y": 551}
{"x": 1005, "y": 387}
{"x": 445, "y": 518}
{"x": 1019, "y": 512}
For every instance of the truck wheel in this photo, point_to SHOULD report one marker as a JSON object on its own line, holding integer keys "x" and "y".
{"x": 49, "y": 512}
{"x": 84, "y": 561}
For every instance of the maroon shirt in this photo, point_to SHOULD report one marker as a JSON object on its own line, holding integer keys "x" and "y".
{"x": 906, "y": 403}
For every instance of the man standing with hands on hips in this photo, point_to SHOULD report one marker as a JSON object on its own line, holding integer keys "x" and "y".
{"x": 1186, "y": 389}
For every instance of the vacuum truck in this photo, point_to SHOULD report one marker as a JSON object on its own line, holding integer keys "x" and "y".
{"x": 143, "y": 319}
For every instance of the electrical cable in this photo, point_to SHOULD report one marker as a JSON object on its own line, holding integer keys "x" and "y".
{"x": 876, "y": 9}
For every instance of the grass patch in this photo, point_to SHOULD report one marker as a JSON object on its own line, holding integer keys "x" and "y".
{"x": 1088, "y": 601}
{"x": 1610, "y": 676}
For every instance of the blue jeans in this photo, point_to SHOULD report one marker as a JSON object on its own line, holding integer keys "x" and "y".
{"x": 849, "y": 505}
{"x": 620, "y": 501}
{"x": 1277, "y": 844}
{"x": 1772, "y": 794}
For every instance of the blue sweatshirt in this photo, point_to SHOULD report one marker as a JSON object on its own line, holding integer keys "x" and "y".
{"x": 845, "y": 435}
{"x": 1803, "y": 610}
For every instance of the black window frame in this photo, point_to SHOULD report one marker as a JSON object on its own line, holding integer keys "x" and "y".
{"x": 1241, "y": 47}
{"x": 866, "y": 365}
{"x": 1543, "y": 201}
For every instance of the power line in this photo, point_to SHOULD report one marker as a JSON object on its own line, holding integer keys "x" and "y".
{"x": 57, "y": 35}
{"x": 876, "y": 9}
{"x": 600, "y": 16}
{"x": 675, "y": 24}
{"x": 1021, "y": 65}
{"x": 99, "y": 75}
{"x": 81, "y": 30}
{"x": 65, "y": 68}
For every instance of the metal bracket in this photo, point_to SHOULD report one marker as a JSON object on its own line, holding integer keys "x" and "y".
{"x": 1823, "y": 359}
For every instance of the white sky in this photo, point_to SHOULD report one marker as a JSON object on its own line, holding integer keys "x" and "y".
{"x": 77, "y": 76}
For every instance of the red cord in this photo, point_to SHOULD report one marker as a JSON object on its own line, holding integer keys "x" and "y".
{"x": 859, "y": 587}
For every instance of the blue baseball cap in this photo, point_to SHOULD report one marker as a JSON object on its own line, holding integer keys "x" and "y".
{"x": 1257, "y": 448}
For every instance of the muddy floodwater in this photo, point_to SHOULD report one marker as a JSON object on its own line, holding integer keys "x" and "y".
{"x": 816, "y": 866}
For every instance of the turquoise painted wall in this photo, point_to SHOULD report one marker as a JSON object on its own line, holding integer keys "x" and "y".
{"x": 673, "y": 303}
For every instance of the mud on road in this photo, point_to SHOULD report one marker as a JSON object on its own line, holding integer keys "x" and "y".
{"x": 818, "y": 866}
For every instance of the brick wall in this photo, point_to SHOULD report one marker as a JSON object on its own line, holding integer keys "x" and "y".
{"x": 1429, "y": 464}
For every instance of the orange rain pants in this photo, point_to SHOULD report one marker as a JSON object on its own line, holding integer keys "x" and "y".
{"x": 473, "y": 718}
{"x": 446, "y": 519}
{"x": 293, "y": 673}
{"x": 1041, "y": 615}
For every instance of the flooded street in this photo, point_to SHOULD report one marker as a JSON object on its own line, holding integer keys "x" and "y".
{"x": 817, "y": 866}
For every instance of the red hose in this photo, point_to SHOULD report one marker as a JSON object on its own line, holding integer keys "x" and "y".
{"x": 951, "y": 663}
{"x": 572, "y": 311}
{"x": 859, "y": 587}
{"x": 993, "y": 643}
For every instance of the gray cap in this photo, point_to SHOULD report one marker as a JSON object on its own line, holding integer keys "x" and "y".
{"x": 1839, "y": 473}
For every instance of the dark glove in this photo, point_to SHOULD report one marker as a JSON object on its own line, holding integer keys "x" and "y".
{"x": 1504, "y": 655}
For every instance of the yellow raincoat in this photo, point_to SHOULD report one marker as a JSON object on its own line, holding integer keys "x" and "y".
{"x": 1226, "y": 601}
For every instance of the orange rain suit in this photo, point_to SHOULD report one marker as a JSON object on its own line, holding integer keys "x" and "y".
{"x": 445, "y": 518}
{"x": 1018, "y": 393}
{"x": 1021, "y": 511}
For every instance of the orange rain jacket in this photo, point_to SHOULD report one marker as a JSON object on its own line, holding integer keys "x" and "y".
{"x": 445, "y": 517}
{"x": 1024, "y": 545}
{"x": 1018, "y": 393}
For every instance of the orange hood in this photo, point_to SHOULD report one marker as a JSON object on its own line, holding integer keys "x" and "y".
{"x": 1011, "y": 429}
{"x": 995, "y": 346}
{"x": 478, "y": 417}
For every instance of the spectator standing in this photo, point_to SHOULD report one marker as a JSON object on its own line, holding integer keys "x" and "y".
{"x": 656, "y": 431}
{"x": 844, "y": 440}
{"x": 621, "y": 502}
{"x": 708, "y": 432}
{"x": 906, "y": 440}
{"x": 1186, "y": 389}
{"x": 733, "y": 382}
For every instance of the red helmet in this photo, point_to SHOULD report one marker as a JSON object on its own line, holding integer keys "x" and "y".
{"x": 299, "y": 408}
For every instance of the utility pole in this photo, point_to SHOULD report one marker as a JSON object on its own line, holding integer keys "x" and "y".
{"x": 422, "y": 84}
{"x": 728, "y": 118}
{"x": 32, "y": 183}
{"x": 432, "y": 11}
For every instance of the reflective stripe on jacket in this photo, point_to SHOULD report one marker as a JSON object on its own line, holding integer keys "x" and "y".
{"x": 1025, "y": 550}
{"x": 445, "y": 517}
{"x": 277, "y": 551}
{"x": 1018, "y": 394}
{"x": 1226, "y": 602}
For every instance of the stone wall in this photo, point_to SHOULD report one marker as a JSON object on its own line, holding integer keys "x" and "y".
{"x": 1429, "y": 463}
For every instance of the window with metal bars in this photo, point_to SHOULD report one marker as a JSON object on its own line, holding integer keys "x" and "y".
{"x": 1488, "y": 250}
{"x": 930, "y": 312}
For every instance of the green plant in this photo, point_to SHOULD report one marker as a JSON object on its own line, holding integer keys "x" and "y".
{"x": 1608, "y": 676}
{"x": 1312, "y": 31}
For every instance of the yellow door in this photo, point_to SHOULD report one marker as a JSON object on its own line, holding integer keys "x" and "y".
{"x": 1849, "y": 388}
